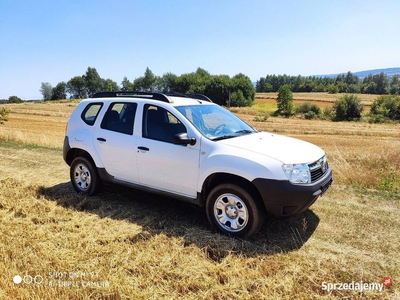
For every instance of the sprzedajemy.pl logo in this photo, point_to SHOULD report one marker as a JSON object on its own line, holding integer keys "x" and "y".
{"x": 357, "y": 286}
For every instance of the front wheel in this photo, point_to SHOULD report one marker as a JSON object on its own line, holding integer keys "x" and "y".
{"x": 84, "y": 176}
{"x": 234, "y": 211}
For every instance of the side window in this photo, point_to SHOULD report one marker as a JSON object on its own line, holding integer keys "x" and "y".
{"x": 120, "y": 117}
{"x": 159, "y": 124}
{"x": 90, "y": 113}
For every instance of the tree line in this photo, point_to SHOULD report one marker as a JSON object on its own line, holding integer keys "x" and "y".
{"x": 348, "y": 107}
{"x": 378, "y": 84}
{"x": 222, "y": 89}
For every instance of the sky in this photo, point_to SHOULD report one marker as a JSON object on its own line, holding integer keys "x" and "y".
{"x": 55, "y": 40}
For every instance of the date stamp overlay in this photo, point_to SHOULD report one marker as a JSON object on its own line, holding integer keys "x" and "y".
{"x": 76, "y": 279}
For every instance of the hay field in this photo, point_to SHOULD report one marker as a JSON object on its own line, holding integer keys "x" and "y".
{"x": 126, "y": 244}
{"x": 41, "y": 123}
{"x": 321, "y": 99}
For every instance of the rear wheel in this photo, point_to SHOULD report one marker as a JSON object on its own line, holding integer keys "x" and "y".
{"x": 84, "y": 176}
{"x": 234, "y": 211}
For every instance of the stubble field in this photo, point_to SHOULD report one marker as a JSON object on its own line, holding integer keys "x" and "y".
{"x": 126, "y": 244}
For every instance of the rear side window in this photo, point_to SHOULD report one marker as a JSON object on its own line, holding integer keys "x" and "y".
{"x": 120, "y": 117}
{"x": 90, "y": 113}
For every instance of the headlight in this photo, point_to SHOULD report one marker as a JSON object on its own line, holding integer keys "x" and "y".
{"x": 297, "y": 173}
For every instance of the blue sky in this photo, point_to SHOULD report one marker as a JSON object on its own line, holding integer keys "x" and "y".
{"x": 55, "y": 40}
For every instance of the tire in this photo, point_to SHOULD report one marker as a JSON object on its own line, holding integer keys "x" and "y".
{"x": 84, "y": 176}
{"x": 234, "y": 211}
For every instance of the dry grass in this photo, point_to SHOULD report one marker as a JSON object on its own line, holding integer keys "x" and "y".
{"x": 321, "y": 99}
{"x": 141, "y": 246}
{"x": 41, "y": 123}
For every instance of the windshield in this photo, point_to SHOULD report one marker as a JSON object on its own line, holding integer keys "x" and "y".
{"x": 215, "y": 122}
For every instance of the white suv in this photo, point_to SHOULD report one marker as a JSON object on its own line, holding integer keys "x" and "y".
{"x": 187, "y": 147}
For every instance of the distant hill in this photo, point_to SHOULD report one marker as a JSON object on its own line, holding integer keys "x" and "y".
{"x": 362, "y": 74}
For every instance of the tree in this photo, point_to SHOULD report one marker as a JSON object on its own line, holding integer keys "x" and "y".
{"x": 376, "y": 84}
{"x": 285, "y": 101}
{"x": 351, "y": 79}
{"x": 109, "y": 85}
{"x": 46, "y": 90}
{"x": 237, "y": 99}
{"x": 348, "y": 108}
{"x": 242, "y": 83}
{"x": 192, "y": 83}
{"x": 395, "y": 85}
{"x": 93, "y": 81}
{"x": 76, "y": 87}
{"x": 146, "y": 82}
{"x": 260, "y": 85}
{"x": 14, "y": 99}
{"x": 332, "y": 89}
{"x": 218, "y": 89}
{"x": 138, "y": 84}
{"x": 59, "y": 91}
{"x": 166, "y": 83}
{"x": 126, "y": 84}
{"x": 149, "y": 80}
{"x": 370, "y": 88}
{"x": 382, "y": 83}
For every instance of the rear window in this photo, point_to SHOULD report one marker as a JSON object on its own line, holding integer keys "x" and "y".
{"x": 90, "y": 113}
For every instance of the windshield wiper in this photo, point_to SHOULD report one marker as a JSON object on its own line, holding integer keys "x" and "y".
{"x": 236, "y": 134}
{"x": 246, "y": 131}
{"x": 223, "y": 137}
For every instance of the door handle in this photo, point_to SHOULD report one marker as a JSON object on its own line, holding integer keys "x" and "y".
{"x": 101, "y": 139}
{"x": 143, "y": 148}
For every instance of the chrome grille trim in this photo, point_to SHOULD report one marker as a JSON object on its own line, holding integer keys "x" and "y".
{"x": 318, "y": 168}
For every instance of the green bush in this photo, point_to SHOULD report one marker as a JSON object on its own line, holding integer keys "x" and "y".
{"x": 328, "y": 113}
{"x": 348, "y": 108}
{"x": 385, "y": 108}
{"x": 261, "y": 118}
{"x": 14, "y": 99}
{"x": 239, "y": 100}
{"x": 310, "y": 115}
{"x": 3, "y": 115}
{"x": 309, "y": 110}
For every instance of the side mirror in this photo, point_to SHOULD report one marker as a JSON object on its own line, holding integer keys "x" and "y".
{"x": 183, "y": 139}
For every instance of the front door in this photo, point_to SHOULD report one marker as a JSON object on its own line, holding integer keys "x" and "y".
{"x": 161, "y": 163}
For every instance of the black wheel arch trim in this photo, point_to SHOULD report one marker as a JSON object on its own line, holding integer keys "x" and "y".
{"x": 66, "y": 148}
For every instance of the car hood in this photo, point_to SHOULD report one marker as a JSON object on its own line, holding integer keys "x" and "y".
{"x": 285, "y": 149}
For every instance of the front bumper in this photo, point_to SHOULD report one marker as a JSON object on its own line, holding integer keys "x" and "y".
{"x": 283, "y": 199}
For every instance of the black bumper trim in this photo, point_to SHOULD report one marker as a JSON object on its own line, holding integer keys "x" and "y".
{"x": 283, "y": 199}
{"x": 66, "y": 148}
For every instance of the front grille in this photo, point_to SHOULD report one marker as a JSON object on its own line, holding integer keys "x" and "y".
{"x": 318, "y": 169}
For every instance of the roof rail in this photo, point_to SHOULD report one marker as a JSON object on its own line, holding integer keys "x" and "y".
{"x": 136, "y": 94}
{"x": 199, "y": 97}
{"x": 194, "y": 96}
{"x": 150, "y": 95}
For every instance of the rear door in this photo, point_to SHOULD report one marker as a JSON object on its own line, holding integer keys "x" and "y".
{"x": 115, "y": 143}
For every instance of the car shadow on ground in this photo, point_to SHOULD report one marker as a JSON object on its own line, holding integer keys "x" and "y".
{"x": 158, "y": 214}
